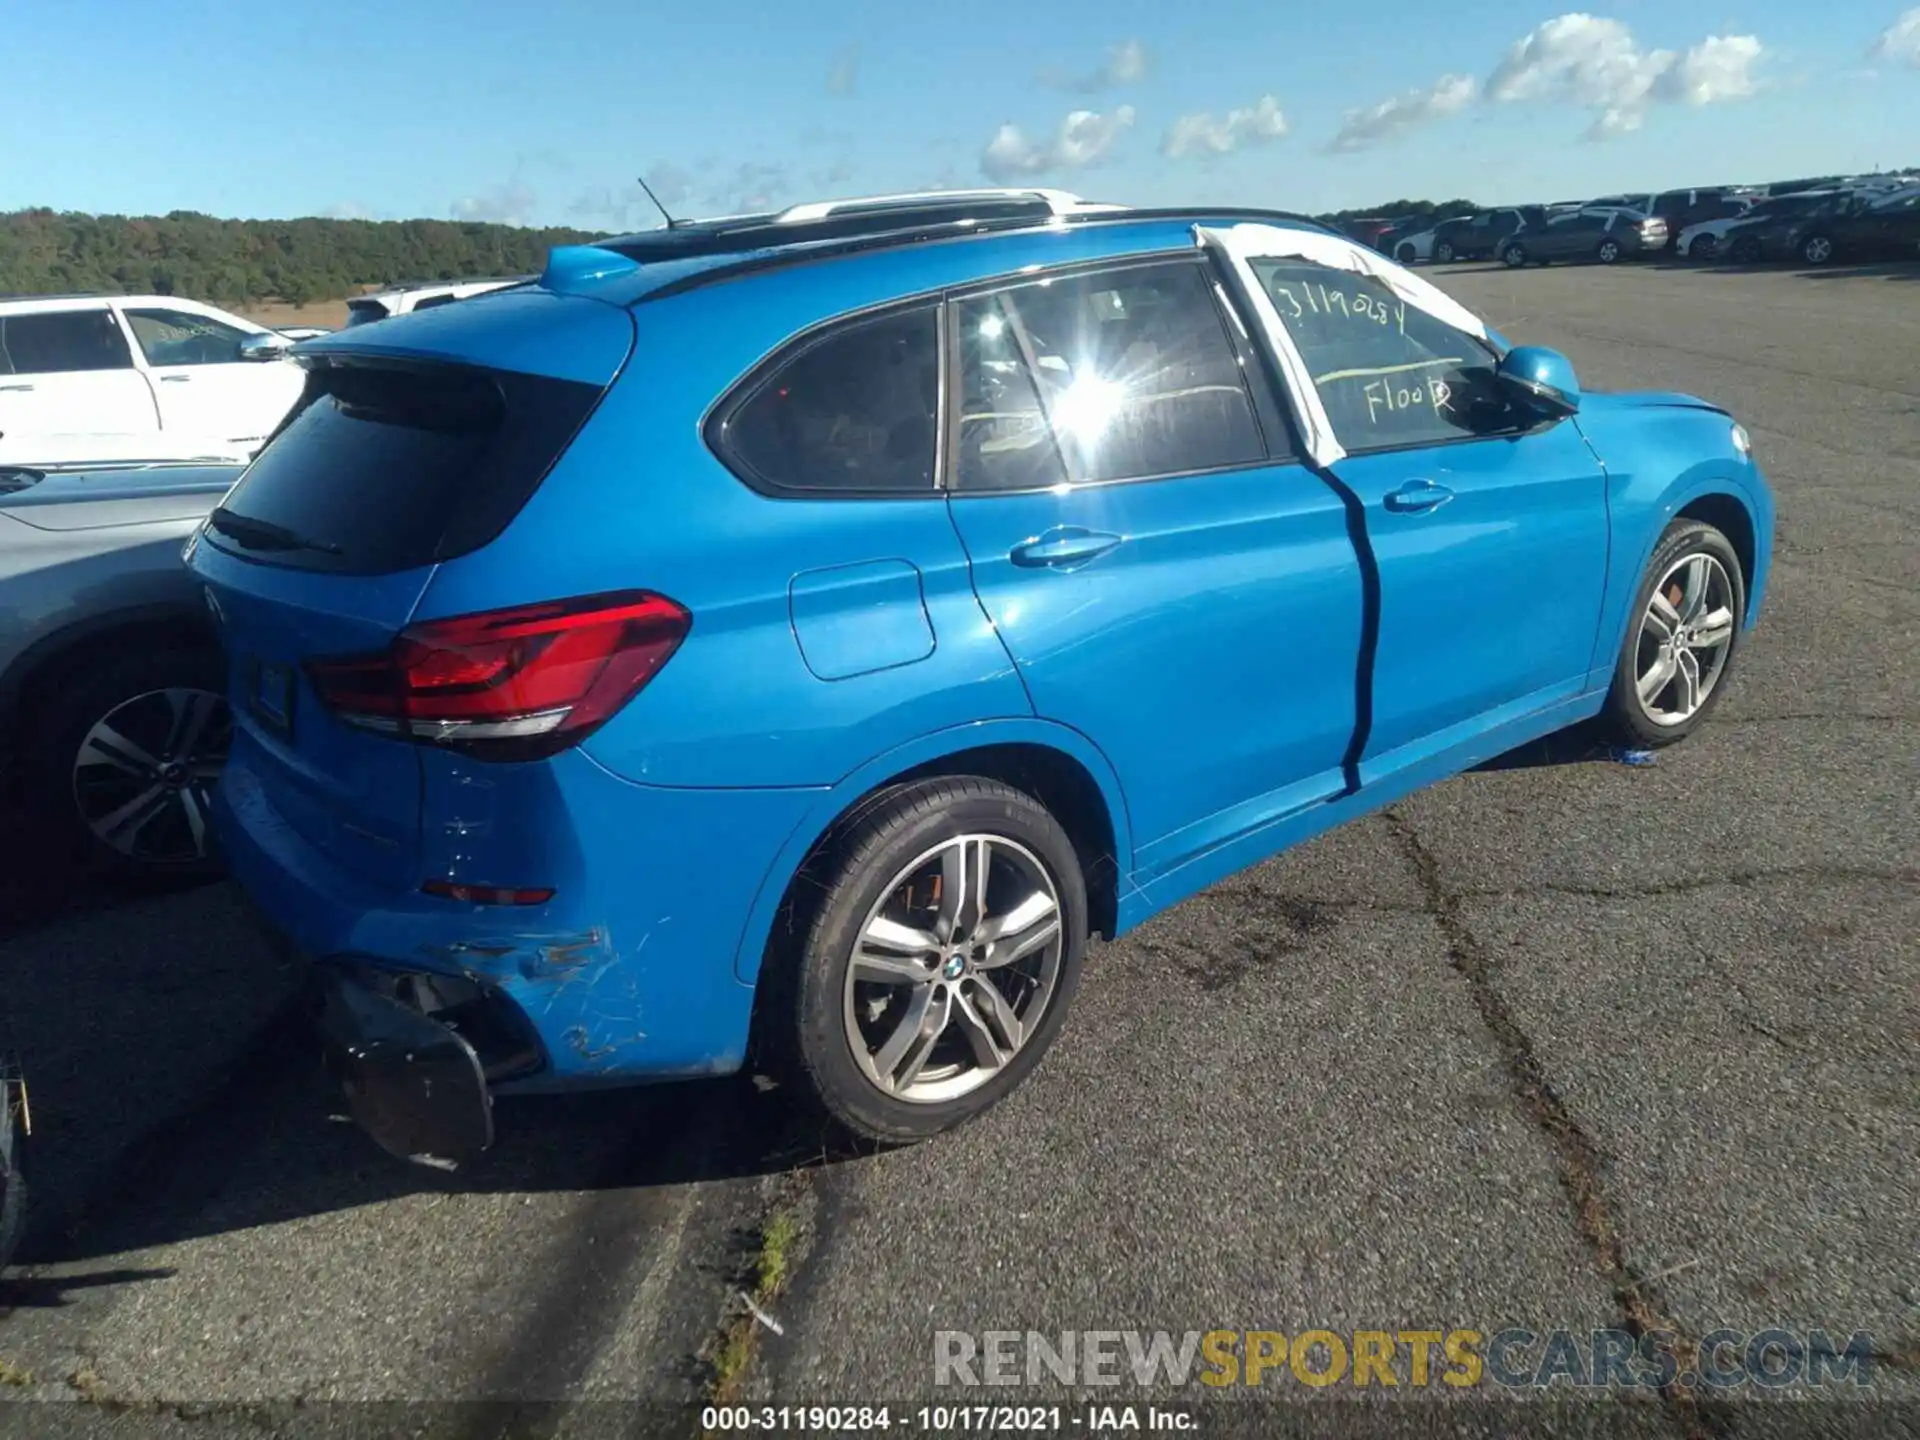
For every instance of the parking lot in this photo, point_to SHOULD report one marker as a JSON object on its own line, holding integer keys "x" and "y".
{"x": 1562, "y": 1043}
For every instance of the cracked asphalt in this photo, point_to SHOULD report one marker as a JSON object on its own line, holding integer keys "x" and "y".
{"x": 1560, "y": 1043}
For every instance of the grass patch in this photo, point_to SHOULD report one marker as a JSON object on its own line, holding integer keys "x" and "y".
{"x": 772, "y": 1258}
{"x": 12, "y": 1374}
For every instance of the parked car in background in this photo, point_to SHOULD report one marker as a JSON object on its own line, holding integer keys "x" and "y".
{"x": 139, "y": 365}
{"x": 574, "y": 768}
{"x": 1776, "y": 236}
{"x": 1482, "y": 235}
{"x": 1874, "y": 227}
{"x": 1705, "y": 240}
{"x": 303, "y": 332}
{"x": 404, "y": 299}
{"x": 1600, "y": 234}
{"x": 112, "y": 712}
{"x": 1369, "y": 229}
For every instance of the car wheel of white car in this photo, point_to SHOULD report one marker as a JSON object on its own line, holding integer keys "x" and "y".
{"x": 126, "y": 760}
{"x": 1681, "y": 637}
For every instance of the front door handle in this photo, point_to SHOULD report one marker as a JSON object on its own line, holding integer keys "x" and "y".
{"x": 1064, "y": 547}
{"x": 1416, "y": 496}
{"x": 21, "y": 388}
{"x": 175, "y": 379}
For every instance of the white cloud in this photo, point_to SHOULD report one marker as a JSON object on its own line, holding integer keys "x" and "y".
{"x": 508, "y": 204}
{"x": 843, "y": 75}
{"x": 347, "y": 210}
{"x": 1900, "y": 41}
{"x": 1125, "y": 64}
{"x": 1596, "y": 63}
{"x": 1202, "y": 134}
{"x": 1361, "y": 128}
{"x": 1083, "y": 139}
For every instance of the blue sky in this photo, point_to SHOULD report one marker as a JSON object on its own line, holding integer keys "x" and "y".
{"x": 545, "y": 113}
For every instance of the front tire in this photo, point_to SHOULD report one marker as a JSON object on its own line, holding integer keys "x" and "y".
{"x": 1514, "y": 257}
{"x": 940, "y": 963}
{"x": 123, "y": 761}
{"x": 1609, "y": 252}
{"x": 1680, "y": 642}
{"x": 1405, "y": 255}
{"x": 1702, "y": 248}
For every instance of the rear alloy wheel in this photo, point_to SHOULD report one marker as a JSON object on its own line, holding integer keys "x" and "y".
{"x": 1609, "y": 251}
{"x": 1681, "y": 640}
{"x": 941, "y": 962}
{"x": 1515, "y": 256}
{"x": 1443, "y": 252}
{"x": 1816, "y": 249}
{"x": 127, "y": 760}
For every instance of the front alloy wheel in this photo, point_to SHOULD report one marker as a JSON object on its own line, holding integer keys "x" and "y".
{"x": 938, "y": 964}
{"x": 1703, "y": 248}
{"x": 1609, "y": 251}
{"x": 1515, "y": 256}
{"x": 144, "y": 775}
{"x": 1816, "y": 249}
{"x": 1673, "y": 663}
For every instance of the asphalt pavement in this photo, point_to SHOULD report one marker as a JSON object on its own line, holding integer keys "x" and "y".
{"x": 1563, "y": 1043}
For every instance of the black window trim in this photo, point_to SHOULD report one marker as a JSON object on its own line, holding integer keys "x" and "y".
{"x": 713, "y": 425}
{"x": 1266, "y": 409}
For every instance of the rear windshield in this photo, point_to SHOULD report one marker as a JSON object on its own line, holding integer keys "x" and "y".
{"x": 385, "y": 467}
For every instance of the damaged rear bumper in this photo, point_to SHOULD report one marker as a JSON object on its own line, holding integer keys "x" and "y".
{"x": 413, "y": 1083}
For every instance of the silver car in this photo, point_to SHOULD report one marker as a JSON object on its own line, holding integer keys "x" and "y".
{"x": 112, "y": 722}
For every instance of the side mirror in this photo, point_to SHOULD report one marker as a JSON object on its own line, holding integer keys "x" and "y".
{"x": 270, "y": 346}
{"x": 1541, "y": 379}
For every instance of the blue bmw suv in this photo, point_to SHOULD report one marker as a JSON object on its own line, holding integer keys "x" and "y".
{"x": 791, "y": 637}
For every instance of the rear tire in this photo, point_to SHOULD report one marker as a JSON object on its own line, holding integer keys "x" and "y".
{"x": 1443, "y": 253}
{"x": 1648, "y": 705}
{"x": 920, "y": 1038}
{"x": 1514, "y": 257}
{"x": 161, "y": 701}
{"x": 1405, "y": 255}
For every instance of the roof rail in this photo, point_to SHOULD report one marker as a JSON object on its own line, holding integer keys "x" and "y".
{"x": 1060, "y": 202}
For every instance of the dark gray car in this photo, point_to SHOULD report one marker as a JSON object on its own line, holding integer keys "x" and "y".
{"x": 112, "y": 723}
{"x": 1603, "y": 234}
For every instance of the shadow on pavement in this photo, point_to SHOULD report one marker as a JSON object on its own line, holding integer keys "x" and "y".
{"x": 177, "y": 1090}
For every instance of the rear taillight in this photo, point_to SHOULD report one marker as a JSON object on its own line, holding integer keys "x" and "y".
{"x": 512, "y": 684}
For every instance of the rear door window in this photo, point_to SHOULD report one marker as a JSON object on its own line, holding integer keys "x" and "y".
{"x": 62, "y": 342}
{"x": 387, "y": 467}
{"x": 179, "y": 337}
{"x": 853, "y": 411}
{"x": 1123, "y": 374}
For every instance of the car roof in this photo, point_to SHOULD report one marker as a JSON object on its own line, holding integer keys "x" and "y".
{"x": 625, "y": 271}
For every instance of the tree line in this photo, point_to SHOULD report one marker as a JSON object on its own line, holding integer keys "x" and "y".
{"x": 237, "y": 262}
{"x": 243, "y": 262}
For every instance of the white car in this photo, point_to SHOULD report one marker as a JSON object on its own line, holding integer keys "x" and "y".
{"x": 404, "y": 299}
{"x": 1415, "y": 249}
{"x": 180, "y": 374}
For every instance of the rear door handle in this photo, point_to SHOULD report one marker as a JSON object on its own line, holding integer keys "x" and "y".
{"x": 1064, "y": 547}
{"x": 22, "y": 388}
{"x": 1416, "y": 496}
{"x": 175, "y": 379}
